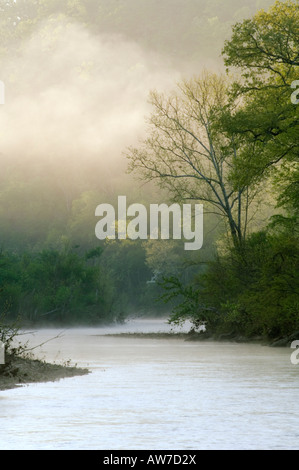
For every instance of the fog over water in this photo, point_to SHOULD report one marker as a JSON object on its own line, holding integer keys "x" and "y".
{"x": 75, "y": 98}
{"x": 147, "y": 393}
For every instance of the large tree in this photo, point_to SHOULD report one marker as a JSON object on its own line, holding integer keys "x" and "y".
{"x": 265, "y": 50}
{"x": 190, "y": 155}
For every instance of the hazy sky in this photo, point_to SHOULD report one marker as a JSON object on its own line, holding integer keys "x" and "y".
{"x": 74, "y": 98}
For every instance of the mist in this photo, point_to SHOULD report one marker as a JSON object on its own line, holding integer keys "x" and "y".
{"x": 75, "y": 101}
{"x": 161, "y": 344}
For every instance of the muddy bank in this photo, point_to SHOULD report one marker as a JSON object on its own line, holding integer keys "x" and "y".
{"x": 18, "y": 371}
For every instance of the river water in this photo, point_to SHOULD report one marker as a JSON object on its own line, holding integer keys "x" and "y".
{"x": 151, "y": 394}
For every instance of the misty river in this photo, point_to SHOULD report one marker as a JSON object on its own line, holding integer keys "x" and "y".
{"x": 150, "y": 393}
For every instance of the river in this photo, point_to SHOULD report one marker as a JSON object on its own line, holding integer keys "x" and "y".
{"x": 149, "y": 393}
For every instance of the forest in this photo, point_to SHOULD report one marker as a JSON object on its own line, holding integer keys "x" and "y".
{"x": 173, "y": 101}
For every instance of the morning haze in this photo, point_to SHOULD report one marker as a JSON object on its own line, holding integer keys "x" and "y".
{"x": 149, "y": 209}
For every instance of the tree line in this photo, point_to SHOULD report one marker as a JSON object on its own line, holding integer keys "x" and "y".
{"x": 226, "y": 140}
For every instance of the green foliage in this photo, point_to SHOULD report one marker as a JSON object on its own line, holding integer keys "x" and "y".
{"x": 254, "y": 292}
{"x": 187, "y": 304}
{"x": 268, "y": 42}
{"x": 264, "y": 49}
{"x": 186, "y": 296}
{"x": 55, "y": 286}
{"x": 44, "y": 211}
{"x": 124, "y": 261}
{"x": 254, "y": 287}
{"x": 10, "y": 275}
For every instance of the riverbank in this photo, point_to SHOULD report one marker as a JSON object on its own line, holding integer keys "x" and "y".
{"x": 204, "y": 336}
{"x": 19, "y": 371}
{"x": 22, "y": 370}
{"x": 137, "y": 391}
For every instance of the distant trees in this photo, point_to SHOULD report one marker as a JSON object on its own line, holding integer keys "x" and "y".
{"x": 212, "y": 139}
{"x": 64, "y": 286}
{"x": 171, "y": 27}
{"x": 55, "y": 286}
